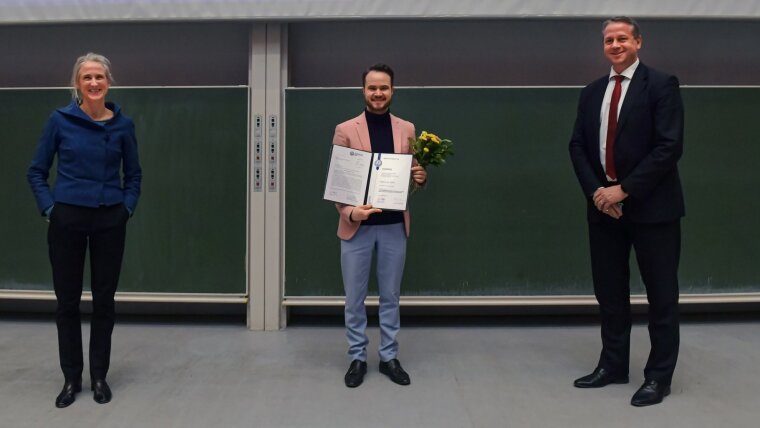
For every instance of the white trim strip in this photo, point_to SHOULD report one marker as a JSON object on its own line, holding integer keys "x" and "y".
{"x": 559, "y": 300}
{"x": 66, "y": 88}
{"x": 167, "y": 10}
{"x": 566, "y": 300}
{"x": 357, "y": 88}
{"x": 133, "y": 297}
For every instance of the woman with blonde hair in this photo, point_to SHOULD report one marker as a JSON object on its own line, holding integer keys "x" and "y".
{"x": 96, "y": 191}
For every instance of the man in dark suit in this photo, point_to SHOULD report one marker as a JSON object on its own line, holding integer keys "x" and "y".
{"x": 627, "y": 140}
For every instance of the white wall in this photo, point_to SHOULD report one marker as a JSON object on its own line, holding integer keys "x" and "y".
{"x": 26, "y": 11}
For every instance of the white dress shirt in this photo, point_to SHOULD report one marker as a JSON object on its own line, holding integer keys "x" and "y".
{"x": 604, "y": 114}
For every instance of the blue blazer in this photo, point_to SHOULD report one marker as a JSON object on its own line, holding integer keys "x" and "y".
{"x": 648, "y": 145}
{"x": 91, "y": 157}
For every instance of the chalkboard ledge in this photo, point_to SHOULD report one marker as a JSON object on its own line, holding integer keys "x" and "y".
{"x": 134, "y": 297}
{"x": 579, "y": 300}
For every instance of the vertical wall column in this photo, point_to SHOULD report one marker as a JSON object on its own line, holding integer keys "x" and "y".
{"x": 268, "y": 75}
{"x": 256, "y": 163}
{"x": 276, "y": 76}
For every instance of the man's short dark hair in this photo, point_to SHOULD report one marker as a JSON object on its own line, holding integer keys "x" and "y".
{"x": 625, "y": 20}
{"x": 383, "y": 68}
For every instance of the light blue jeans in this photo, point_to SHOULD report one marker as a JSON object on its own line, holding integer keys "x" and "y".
{"x": 356, "y": 260}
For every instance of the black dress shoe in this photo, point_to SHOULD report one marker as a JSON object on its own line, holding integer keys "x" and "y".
{"x": 355, "y": 374}
{"x": 101, "y": 391}
{"x": 598, "y": 378}
{"x": 393, "y": 370}
{"x": 68, "y": 393}
{"x": 651, "y": 392}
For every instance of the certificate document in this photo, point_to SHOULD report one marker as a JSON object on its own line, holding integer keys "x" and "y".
{"x": 356, "y": 177}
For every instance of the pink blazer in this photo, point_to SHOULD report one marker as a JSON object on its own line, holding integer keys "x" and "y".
{"x": 354, "y": 133}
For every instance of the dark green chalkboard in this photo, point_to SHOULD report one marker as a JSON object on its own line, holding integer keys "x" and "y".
{"x": 189, "y": 231}
{"x": 721, "y": 236}
{"x": 506, "y": 215}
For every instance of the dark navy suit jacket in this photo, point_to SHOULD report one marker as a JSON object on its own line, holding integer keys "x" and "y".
{"x": 648, "y": 145}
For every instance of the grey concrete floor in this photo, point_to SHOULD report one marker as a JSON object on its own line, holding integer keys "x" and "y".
{"x": 510, "y": 375}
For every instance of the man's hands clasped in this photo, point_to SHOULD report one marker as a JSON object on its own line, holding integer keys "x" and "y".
{"x": 609, "y": 200}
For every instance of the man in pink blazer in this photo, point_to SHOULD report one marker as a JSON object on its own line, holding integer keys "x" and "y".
{"x": 364, "y": 230}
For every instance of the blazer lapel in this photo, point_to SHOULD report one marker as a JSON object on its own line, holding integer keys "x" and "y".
{"x": 397, "y": 142}
{"x": 362, "y": 133}
{"x": 638, "y": 84}
{"x": 596, "y": 108}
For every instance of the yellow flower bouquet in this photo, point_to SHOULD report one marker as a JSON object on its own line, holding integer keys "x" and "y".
{"x": 429, "y": 149}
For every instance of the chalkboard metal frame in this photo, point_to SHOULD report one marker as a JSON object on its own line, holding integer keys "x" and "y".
{"x": 717, "y": 265}
{"x": 193, "y": 144}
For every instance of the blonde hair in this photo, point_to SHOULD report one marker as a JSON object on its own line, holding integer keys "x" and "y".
{"x": 100, "y": 59}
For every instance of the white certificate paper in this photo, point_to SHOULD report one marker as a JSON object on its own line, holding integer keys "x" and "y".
{"x": 356, "y": 177}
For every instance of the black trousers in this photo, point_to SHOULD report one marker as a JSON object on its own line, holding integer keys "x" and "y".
{"x": 72, "y": 230}
{"x": 658, "y": 250}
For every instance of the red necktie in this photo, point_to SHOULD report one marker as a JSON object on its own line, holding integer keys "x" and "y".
{"x": 609, "y": 158}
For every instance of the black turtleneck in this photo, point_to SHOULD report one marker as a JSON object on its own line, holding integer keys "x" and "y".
{"x": 381, "y": 139}
{"x": 380, "y": 131}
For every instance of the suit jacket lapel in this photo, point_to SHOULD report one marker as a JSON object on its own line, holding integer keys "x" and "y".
{"x": 638, "y": 84}
{"x": 362, "y": 133}
{"x": 596, "y": 109}
{"x": 397, "y": 143}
